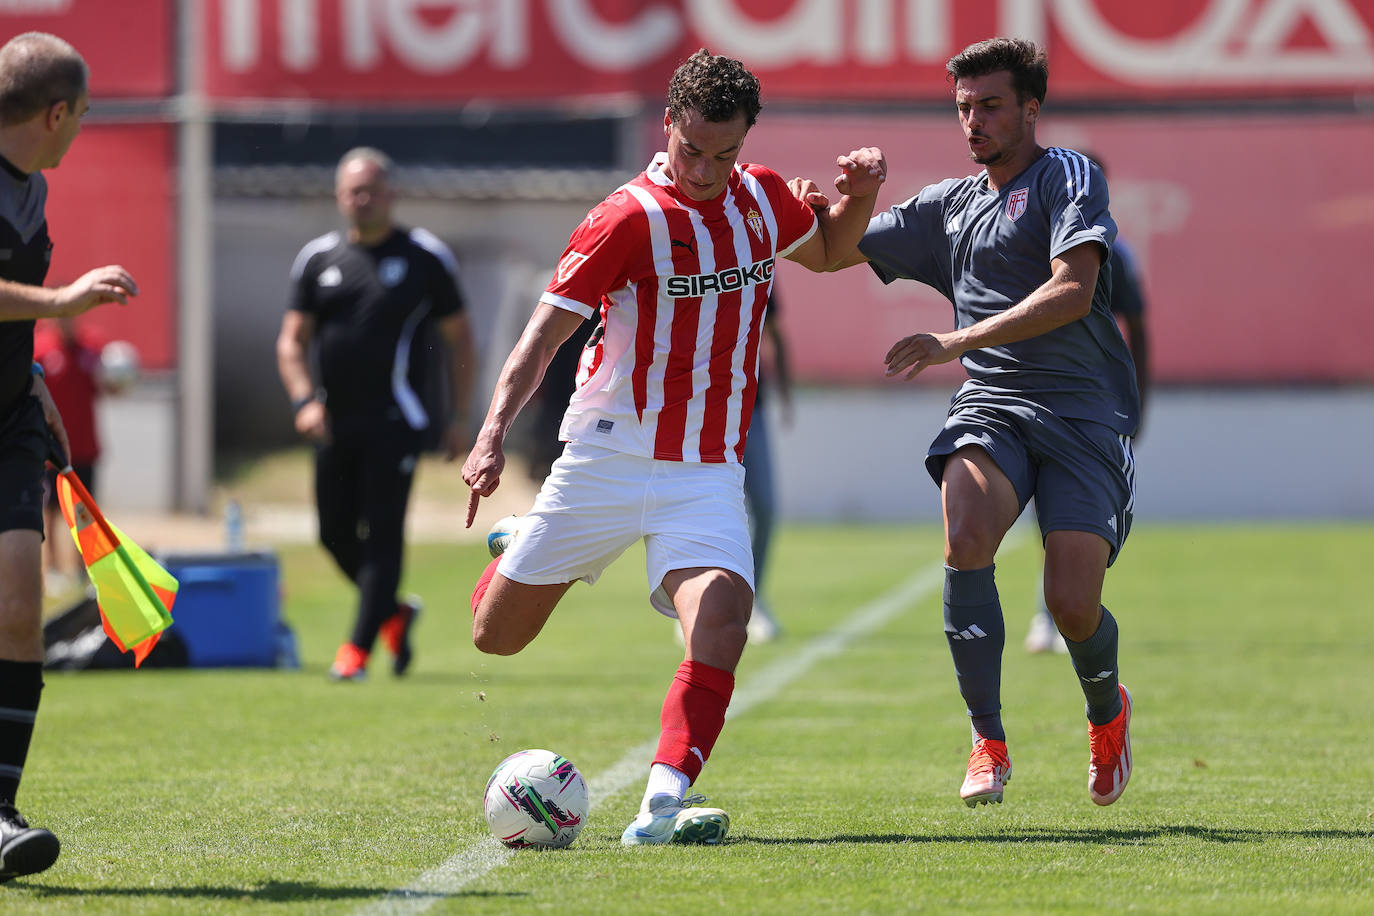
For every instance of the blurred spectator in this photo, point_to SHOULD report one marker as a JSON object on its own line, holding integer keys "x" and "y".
{"x": 760, "y": 492}
{"x": 70, "y": 356}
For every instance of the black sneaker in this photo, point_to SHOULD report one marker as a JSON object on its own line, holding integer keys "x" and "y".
{"x": 24, "y": 850}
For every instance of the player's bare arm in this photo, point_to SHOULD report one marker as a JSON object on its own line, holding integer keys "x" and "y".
{"x": 548, "y": 328}
{"x": 457, "y": 334}
{"x": 21, "y": 301}
{"x": 842, "y": 224}
{"x": 1065, "y": 297}
{"x": 293, "y": 347}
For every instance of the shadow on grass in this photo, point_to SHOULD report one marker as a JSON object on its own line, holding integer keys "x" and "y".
{"x": 271, "y": 892}
{"x": 1101, "y": 836}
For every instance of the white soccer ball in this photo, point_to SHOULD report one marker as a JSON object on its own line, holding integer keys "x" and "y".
{"x": 501, "y": 534}
{"x": 536, "y": 798}
{"x": 119, "y": 365}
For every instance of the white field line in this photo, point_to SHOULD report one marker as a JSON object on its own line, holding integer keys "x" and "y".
{"x": 472, "y": 862}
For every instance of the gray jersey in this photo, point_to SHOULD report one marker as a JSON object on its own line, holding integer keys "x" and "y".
{"x": 986, "y": 251}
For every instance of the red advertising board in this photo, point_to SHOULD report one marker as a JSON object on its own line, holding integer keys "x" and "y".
{"x": 126, "y": 43}
{"x": 1251, "y": 233}
{"x": 112, "y": 201}
{"x": 455, "y": 51}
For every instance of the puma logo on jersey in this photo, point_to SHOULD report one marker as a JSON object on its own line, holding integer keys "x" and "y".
{"x": 682, "y": 286}
{"x": 690, "y": 245}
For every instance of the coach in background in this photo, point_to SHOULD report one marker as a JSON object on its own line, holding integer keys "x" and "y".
{"x": 43, "y": 94}
{"x": 361, "y": 299}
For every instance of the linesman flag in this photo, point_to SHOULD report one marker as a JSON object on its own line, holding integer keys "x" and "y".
{"x": 134, "y": 593}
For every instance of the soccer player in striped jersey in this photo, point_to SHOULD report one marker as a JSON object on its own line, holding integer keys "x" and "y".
{"x": 1051, "y": 405}
{"x": 675, "y": 269}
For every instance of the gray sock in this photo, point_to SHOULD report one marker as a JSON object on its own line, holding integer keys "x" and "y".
{"x": 977, "y": 634}
{"x": 1094, "y": 659}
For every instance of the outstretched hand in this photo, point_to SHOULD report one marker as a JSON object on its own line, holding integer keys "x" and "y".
{"x": 96, "y": 287}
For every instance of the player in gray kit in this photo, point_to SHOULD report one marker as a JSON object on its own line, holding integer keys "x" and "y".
{"x": 1050, "y": 407}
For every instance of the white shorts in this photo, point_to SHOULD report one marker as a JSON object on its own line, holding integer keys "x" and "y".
{"x": 596, "y": 502}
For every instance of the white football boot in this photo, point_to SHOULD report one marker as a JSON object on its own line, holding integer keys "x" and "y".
{"x": 672, "y": 820}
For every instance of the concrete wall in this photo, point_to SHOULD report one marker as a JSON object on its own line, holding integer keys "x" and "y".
{"x": 857, "y": 453}
{"x": 1205, "y": 454}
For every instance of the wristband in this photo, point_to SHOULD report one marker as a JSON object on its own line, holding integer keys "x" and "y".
{"x": 298, "y": 403}
{"x": 37, "y": 369}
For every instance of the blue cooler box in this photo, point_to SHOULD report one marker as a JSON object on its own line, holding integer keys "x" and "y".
{"x": 227, "y": 608}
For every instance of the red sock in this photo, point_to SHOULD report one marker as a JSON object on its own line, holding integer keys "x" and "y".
{"x": 693, "y": 715}
{"x": 483, "y": 583}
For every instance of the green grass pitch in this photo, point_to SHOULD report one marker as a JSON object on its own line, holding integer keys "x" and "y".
{"x": 277, "y": 792}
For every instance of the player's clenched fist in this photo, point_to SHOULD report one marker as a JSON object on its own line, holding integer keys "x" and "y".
{"x": 862, "y": 172}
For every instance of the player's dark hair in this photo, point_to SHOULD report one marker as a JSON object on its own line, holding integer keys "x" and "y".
{"x": 38, "y": 70}
{"x": 1025, "y": 60}
{"x": 716, "y": 87}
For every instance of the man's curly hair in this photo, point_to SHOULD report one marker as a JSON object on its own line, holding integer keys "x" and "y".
{"x": 717, "y": 87}
{"x": 1030, "y": 71}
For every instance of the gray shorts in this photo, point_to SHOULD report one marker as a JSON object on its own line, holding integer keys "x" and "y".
{"x": 1081, "y": 473}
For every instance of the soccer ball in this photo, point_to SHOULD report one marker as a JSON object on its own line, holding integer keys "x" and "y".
{"x": 501, "y": 534}
{"x": 119, "y": 365}
{"x": 535, "y": 798}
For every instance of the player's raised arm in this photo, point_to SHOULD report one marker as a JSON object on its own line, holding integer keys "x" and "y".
{"x": 842, "y": 224}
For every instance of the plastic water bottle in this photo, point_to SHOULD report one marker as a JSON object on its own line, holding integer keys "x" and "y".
{"x": 233, "y": 526}
{"x": 287, "y": 654}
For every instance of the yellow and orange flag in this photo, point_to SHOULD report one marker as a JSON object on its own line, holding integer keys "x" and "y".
{"x": 135, "y": 594}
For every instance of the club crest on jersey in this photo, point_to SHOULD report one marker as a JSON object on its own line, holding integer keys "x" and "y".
{"x": 391, "y": 271}
{"x": 1016, "y": 203}
{"x": 684, "y": 286}
{"x": 755, "y": 222}
{"x": 331, "y": 276}
{"x": 569, "y": 264}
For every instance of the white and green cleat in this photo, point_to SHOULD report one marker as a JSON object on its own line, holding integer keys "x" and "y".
{"x": 672, "y": 820}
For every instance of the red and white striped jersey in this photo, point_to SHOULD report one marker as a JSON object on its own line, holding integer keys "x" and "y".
{"x": 681, "y": 287}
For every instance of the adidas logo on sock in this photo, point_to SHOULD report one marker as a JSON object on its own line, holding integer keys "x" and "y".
{"x": 1101, "y": 676}
{"x": 973, "y": 632}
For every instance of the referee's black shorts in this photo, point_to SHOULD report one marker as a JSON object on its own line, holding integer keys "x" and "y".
{"x": 23, "y": 451}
